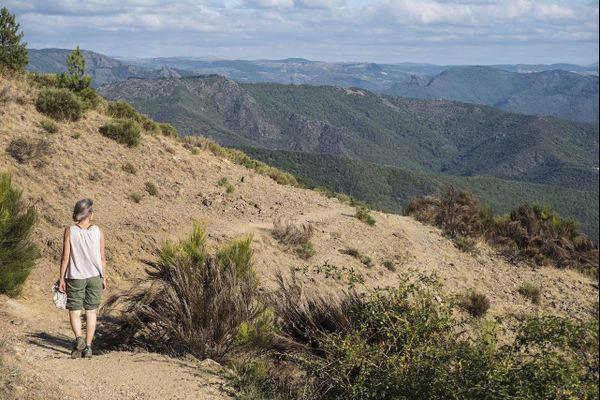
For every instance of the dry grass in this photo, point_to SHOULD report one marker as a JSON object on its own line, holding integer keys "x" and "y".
{"x": 353, "y": 252}
{"x": 25, "y": 150}
{"x": 296, "y": 237}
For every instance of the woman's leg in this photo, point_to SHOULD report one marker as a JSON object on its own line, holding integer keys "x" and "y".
{"x": 75, "y": 318}
{"x": 90, "y": 326}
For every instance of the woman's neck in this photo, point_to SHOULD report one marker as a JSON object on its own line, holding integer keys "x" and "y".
{"x": 85, "y": 223}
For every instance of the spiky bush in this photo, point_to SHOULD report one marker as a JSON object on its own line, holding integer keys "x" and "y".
{"x": 188, "y": 302}
{"x": 363, "y": 213}
{"x": 60, "y": 104}
{"x": 17, "y": 252}
{"x": 168, "y": 130}
{"x": 24, "y": 150}
{"x": 475, "y": 303}
{"x": 123, "y": 131}
{"x": 531, "y": 291}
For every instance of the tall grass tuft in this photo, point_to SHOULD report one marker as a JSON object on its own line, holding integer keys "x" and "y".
{"x": 189, "y": 302}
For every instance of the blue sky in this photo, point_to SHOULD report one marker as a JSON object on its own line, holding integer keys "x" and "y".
{"x": 433, "y": 31}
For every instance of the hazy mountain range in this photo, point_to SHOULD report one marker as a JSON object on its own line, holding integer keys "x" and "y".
{"x": 563, "y": 90}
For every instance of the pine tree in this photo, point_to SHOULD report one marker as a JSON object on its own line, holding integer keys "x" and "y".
{"x": 76, "y": 78}
{"x": 17, "y": 252}
{"x": 13, "y": 53}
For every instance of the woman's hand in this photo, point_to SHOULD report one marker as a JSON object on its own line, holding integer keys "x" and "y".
{"x": 62, "y": 286}
{"x": 104, "y": 285}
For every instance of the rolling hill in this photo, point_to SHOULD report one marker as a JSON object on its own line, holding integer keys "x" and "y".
{"x": 558, "y": 93}
{"x": 431, "y": 136}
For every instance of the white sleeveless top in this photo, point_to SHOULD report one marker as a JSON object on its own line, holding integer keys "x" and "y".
{"x": 84, "y": 258}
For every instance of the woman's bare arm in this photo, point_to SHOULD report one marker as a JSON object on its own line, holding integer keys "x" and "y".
{"x": 103, "y": 257}
{"x": 65, "y": 259}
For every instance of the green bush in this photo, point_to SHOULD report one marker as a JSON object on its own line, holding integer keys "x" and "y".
{"x": 402, "y": 343}
{"x": 169, "y": 130}
{"x": 124, "y": 131}
{"x": 17, "y": 252}
{"x": 364, "y": 215}
{"x": 531, "y": 291}
{"x": 49, "y": 126}
{"x": 123, "y": 110}
{"x": 135, "y": 197}
{"x": 60, "y": 104}
{"x": 89, "y": 98}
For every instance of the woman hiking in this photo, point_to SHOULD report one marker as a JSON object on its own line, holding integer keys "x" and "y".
{"x": 83, "y": 274}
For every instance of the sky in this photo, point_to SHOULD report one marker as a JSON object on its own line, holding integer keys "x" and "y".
{"x": 383, "y": 31}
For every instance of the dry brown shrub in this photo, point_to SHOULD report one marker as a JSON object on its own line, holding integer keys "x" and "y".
{"x": 296, "y": 237}
{"x": 24, "y": 150}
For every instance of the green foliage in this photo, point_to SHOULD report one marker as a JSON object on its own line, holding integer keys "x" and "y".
{"x": 531, "y": 291}
{"x": 123, "y": 131}
{"x": 13, "y": 53}
{"x": 168, "y": 130}
{"x": 365, "y": 216}
{"x": 76, "y": 79}
{"x": 229, "y": 188}
{"x": 122, "y": 109}
{"x": 60, "y": 104}
{"x": 49, "y": 126}
{"x": 257, "y": 333}
{"x": 135, "y": 197}
{"x": 402, "y": 343}
{"x": 151, "y": 189}
{"x": 17, "y": 253}
{"x": 239, "y": 254}
{"x": 129, "y": 168}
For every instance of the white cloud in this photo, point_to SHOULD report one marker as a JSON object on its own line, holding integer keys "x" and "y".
{"x": 328, "y": 29}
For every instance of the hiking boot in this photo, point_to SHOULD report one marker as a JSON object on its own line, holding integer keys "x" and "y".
{"x": 78, "y": 347}
{"x": 87, "y": 352}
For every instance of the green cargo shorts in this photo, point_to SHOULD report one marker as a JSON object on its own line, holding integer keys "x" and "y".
{"x": 84, "y": 293}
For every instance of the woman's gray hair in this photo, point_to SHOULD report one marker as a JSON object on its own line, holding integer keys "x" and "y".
{"x": 83, "y": 208}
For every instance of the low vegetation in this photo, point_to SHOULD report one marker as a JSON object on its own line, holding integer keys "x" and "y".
{"x": 530, "y": 233}
{"x": 60, "y": 104}
{"x": 363, "y": 213}
{"x": 135, "y": 197}
{"x": 296, "y": 237}
{"x": 401, "y": 342}
{"x": 475, "y": 303}
{"x": 189, "y": 302}
{"x": 151, "y": 189}
{"x": 224, "y": 182}
{"x": 17, "y": 252}
{"x": 25, "y": 150}
{"x": 49, "y": 126}
{"x": 129, "y": 168}
{"x": 123, "y": 131}
{"x": 531, "y": 292}
{"x": 353, "y": 252}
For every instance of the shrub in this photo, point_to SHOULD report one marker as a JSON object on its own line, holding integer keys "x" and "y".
{"x": 475, "y": 303}
{"x": 123, "y": 110}
{"x": 188, "y": 302}
{"x": 229, "y": 188}
{"x": 295, "y": 237}
{"x": 123, "y": 131}
{"x": 24, "y": 150}
{"x": 49, "y": 126}
{"x": 364, "y": 215}
{"x": 531, "y": 291}
{"x": 60, "y": 104}
{"x": 353, "y": 252}
{"x": 129, "y": 168}
{"x": 135, "y": 197}
{"x": 13, "y": 53}
{"x": 89, "y": 98}
{"x": 17, "y": 253}
{"x": 389, "y": 265}
{"x": 151, "y": 189}
{"x": 168, "y": 130}
{"x": 402, "y": 343}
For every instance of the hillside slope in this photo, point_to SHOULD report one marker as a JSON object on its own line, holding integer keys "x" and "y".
{"x": 80, "y": 162}
{"x": 558, "y": 93}
{"x": 101, "y": 68}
